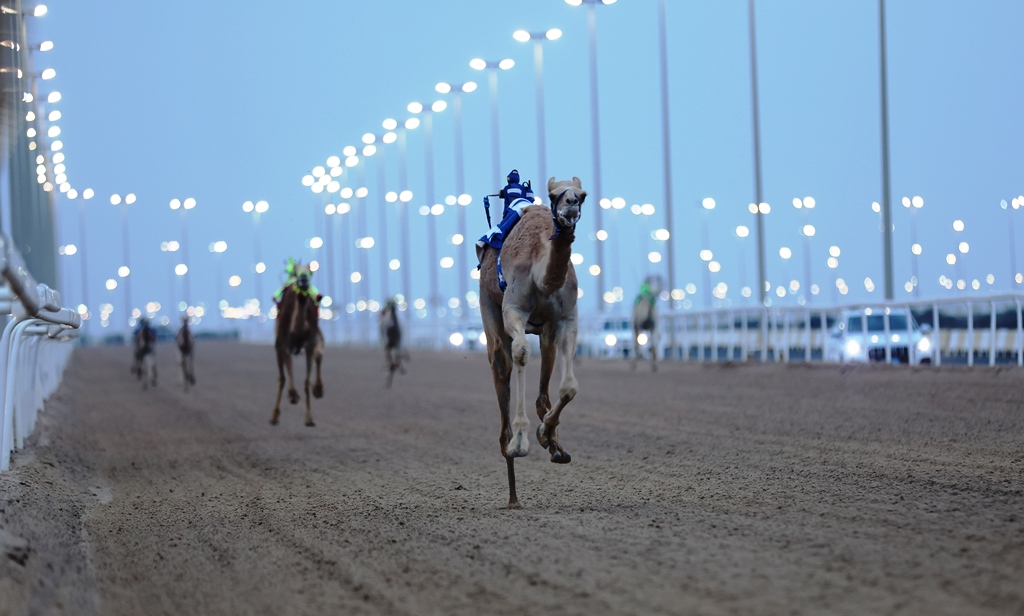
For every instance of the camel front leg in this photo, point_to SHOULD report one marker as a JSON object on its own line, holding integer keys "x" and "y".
{"x": 566, "y": 392}
{"x": 309, "y": 406}
{"x": 547, "y": 364}
{"x": 515, "y": 328}
{"x": 293, "y": 394}
{"x": 318, "y": 357}
{"x": 282, "y": 358}
{"x": 636, "y": 348}
{"x": 655, "y": 341}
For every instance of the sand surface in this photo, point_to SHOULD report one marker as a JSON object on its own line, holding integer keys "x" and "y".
{"x": 702, "y": 489}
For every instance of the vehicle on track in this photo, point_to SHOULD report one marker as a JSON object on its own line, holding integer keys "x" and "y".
{"x": 859, "y": 335}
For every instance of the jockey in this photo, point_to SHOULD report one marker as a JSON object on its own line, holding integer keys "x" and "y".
{"x": 517, "y": 196}
{"x": 291, "y": 280}
{"x": 645, "y": 292}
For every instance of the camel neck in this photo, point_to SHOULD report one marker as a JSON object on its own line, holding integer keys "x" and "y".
{"x": 559, "y": 259}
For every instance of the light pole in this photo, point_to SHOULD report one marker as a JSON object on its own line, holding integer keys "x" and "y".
{"x": 170, "y": 247}
{"x": 963, "y": 247}
{"x": 387, "y": 138}
{"x": 742, "y": 232}
{"x": 760, "y": 210}
{"x": 785, "y": 253}
{"x": 886, "y": 206}
{"x": 217, "y": 248}
{"x": 494, "y": 66}
{"x": 87, "y": 194}
{"x": 184, "y": 206}
{"x": 259, "y": 267}
{"x": 538, "y": 39}
{"x": 833, "y": 264}
{"x": 462, "y": 267}
{"x": 404, "y": 197}
{"x": 666, "y": 148}
{"x": 914, "y": 204}
{"x": 431, "y": 209}
{"x": 125, "y": 270}
{"x": 1016, "y": 203}
{"x": 807, "y": 231}
{"x": 756, "y": 207}
{"x": 594, "y": 128}
{"x": 707, "y": 204}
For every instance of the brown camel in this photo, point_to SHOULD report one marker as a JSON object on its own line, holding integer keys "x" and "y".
{"x": 645, "y": 321}
{"x": 297, "y": 329}
{"x": 540, "y": 299}
{"x": 391, "y": 336}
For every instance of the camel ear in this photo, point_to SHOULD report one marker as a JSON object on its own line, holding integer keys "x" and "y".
{"x": 551, "y": 184}
{"x": 576, "y": 181}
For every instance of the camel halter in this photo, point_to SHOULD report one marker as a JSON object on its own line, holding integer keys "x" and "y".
{"x": 554, "y": 214}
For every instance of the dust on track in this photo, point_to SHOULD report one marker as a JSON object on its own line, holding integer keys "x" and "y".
{"x": 712, "y": 489}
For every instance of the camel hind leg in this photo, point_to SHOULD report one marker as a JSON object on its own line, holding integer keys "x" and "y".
{"x": 547, "y": 434}
{"x": 515, "y": 328}
{"x": 500, "y": 355}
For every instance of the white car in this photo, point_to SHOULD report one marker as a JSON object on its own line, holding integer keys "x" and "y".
{"x": 611, "y": 337}
{"x": 859, "y": 336}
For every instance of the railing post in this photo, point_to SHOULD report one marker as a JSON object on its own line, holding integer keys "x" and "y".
{"x": 886, "y": 331}
{"x": 1018, "y": 343}
{"x": 970, "y": 333}
{"x": 992, "y": 333}
{"x": 937, "y": 333}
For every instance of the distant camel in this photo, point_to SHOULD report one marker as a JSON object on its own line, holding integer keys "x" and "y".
{"x": 297, "y": 329}
{"x": 645, "y": 320}
{"x": 144, "y": 354}
{"x": 186, "y": 344}
{"x": 391, "y": 336}
{"x": 540, "y": 299}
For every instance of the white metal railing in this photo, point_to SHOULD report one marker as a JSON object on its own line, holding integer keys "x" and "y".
{"x": 31, "y": 365}
{"x": 776, "y": 333}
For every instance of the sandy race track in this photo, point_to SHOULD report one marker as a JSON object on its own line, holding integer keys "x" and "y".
{"x": 702, "y": 489}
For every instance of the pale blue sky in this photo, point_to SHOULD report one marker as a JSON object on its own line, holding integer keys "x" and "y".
{"x": 229, "y": 101}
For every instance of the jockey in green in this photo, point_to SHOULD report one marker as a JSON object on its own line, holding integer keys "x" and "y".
{"x": 645, "y": 292}
{"x": 291, "y": 270}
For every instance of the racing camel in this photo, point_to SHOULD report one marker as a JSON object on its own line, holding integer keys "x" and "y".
{"x": 297, "y": 329}
{"x": 645, "y": 321}
{"x": 391, "y": 335}
{"x": 186, "y": 343}
{"x": 540, "y": 299}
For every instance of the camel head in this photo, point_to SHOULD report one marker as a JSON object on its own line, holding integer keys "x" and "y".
{"x": 302, "y": 276}
{"x": 566, "y": 200}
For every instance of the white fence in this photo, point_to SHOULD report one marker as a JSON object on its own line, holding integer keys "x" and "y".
{"x": 32, "y": 358}
{"x": 781, "y": 333}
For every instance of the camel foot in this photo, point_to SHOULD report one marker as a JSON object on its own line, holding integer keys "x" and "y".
{"x": 519, "y": 445}
{"x": 318, "y": 390}
{"x": 274, "y": 417}
{"x": 561, "y": 457}
{"x": 514, "y": 505}
{"x": 310, "y": 423}
{"x": 542, "y": 437}
{"x": 293, "y": 396}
